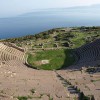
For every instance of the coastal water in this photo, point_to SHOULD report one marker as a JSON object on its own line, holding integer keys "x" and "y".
{"x": 36, "y": 22}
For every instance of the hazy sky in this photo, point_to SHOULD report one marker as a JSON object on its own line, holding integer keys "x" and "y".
{"x": 15, "y": 7}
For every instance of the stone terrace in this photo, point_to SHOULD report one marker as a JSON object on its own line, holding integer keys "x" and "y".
{"x": 16, "y": 79}
{"x": 89, "y": 84}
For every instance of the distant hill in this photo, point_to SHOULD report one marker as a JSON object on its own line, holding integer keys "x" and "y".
{"x": 82, "y": 9}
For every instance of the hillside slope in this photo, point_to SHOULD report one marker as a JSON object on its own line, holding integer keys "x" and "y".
{"x": 59, "y": 37}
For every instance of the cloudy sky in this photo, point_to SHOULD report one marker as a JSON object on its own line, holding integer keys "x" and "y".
{"x": 16, "y": 7}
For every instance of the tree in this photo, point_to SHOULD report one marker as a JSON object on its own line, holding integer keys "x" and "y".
{"x": 81, "y": 97}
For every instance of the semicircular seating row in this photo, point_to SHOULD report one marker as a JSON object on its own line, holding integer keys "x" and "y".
{"x": 89, "y": 52}
{"x": 9, "y": 53}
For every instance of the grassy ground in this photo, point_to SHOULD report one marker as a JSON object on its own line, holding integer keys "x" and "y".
{"x": 57, "y": 59}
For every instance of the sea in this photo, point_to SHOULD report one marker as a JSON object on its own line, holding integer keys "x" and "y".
{"x": 39, "y": 21}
